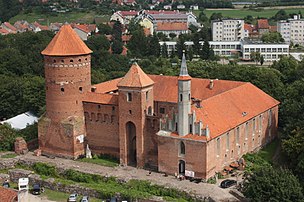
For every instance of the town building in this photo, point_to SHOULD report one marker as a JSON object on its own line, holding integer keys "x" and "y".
{"x": 176, "y": 28}
{"x": 239, "y": 49}
{"x": 227, "y": 30}
{"x": 292, "y": 30}
{"x": 172, "y": 124}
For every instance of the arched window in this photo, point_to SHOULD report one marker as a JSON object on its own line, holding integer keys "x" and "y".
{"x": 182, "y": 149}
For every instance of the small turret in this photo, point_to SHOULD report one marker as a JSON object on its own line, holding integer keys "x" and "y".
{"x": 184, "y": 99}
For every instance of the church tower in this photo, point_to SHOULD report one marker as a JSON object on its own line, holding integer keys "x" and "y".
{"x": 67, "y": 64}
{"x": 135, "y": 102}
{"x": 184, "y": 99}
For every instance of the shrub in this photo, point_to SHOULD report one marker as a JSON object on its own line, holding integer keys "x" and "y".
{"x": 45, "y": 169}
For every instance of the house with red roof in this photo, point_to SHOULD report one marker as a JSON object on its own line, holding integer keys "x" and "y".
{"x": 9, "y": 27}
{"x": 8, "y": 195}
{"x": 263, "y": 26}
{"x": 172, "y": 124}
{"x": 85, "y": 30}
{"x": 172, "y": 27}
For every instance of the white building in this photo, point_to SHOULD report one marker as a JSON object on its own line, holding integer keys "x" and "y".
{"x": 21, "y": 121}
{"x": 243, "y": 49}
{"x": 270, "y": 51}
{"x": 227, "y": 30}
{"x": 292, "y": 30}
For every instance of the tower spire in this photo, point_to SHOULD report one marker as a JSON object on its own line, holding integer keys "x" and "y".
{"x": 183, "y": 69}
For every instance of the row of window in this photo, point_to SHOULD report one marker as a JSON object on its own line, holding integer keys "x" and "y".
{"x": 100, "y": 117}
{"x": 269, "y": 50}
{"x": 71, "y": 60}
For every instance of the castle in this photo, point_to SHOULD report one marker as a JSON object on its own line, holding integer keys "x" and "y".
{"x": 173, "y": 124}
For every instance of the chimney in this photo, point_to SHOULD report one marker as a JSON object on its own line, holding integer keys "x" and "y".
{"x": 93, "y": 89}
{"x": 211, "y": 84}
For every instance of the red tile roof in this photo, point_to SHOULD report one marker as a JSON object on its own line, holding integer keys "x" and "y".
{"x": 273, "y": 28}
{"x": 135, "y": 77}
{"x": 66, "y": 43}
{"x": 101, "y": 98}
{"x": 3, "y": 31}
{"x": 9, "y": 26}
{"x": 171, "y": 26}
{"x": 128, "y": 13}
{"x": 225, "y": 111}
{"x": 8, "y": 195}
{"x": 263, "y": 24}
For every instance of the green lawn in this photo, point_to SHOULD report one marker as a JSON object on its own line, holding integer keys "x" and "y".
{"x": 10, "y": 155}
{"x": 101, "y": 161}
{"x": 60, "y": 196}
{"x": 268, "y": 152}
{"x": 80, "y": 17}
{"x": 241, "y": 13}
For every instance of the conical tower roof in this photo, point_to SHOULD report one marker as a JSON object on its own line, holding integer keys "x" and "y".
{"x": 183, "y": 75}
{"x": 66, "y": 43}
{"x": 135, "y": 77}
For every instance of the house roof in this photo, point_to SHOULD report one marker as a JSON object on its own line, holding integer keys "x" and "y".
{"x": 128, "y": 13}
{"x": 273, "y": 28}
{"x": 8, "y": 195}
{"x": 231, "y": 108}
{"x": 171, "y": 26}
{"x": 263, "y": 24}
{"x": 3, "y": 31}
{"x": 135, "y": 77}
{"x": 66, "y": 43}
{"x": 9, "y": 26}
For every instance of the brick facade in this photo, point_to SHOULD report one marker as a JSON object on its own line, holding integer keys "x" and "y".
{"x": 136, "y": 118}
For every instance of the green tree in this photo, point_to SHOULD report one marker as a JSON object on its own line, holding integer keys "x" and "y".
{"x": 8, "y": 9}
{"x": 207, "y": 52}
{"x": 7, "y": 137}
{"x": 104, "y": 29}
{"x": 117, "y": 31}
{"x": 281, "y": 15}
{"x": 117, "y": 47}
{"x": 138, "y": 43}
{"x": 164, "y": 51}
{"x": 272, "y": 37}
{"x": 153, "y": 46}
{"x": 216, "y": 16}
{"x": 268, "y": 184}
{"x": 262, "y": 60}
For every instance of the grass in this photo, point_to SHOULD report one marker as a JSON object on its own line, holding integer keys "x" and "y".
{"x": 101, "y": 161}
{"x": 268, "y": 152}
{"x": 61, "y": 197}
{"x": 8, "y": 156}
{"x": 241, "y": 13}
{"x": 79, "y": 17}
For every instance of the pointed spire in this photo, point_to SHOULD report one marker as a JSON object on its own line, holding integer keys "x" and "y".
{"x": 183, "y": 69}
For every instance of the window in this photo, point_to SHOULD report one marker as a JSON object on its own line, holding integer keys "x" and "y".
{"x": 260, "y": 123}
{"x": 246, "y": 131}
{"x": 182, "y": 149}
{"x": 181, "y": 97}
{"x": 147, "y": 95}
{"x": 269, "y": 117}
{"x": 190, "y": 128}
{"x": 62, "y": 89}
{"x": 218, "y": 147}
{"x": 189, "y": 97}
{"x": 129, "y": 97}
{"x": 162, "y": 110}
{"x": 71, "y": 60}
{"x": 237, "y": 135}
{"x": 253, "y": 126}
{"x": 80, "y": 89}
{"x": 227, "y": 141}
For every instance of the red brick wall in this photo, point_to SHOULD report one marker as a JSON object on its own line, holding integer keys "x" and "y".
{"x": 168, "y": 156}
{"x": 256, "y": 139}
{"x": 67, "y": 79}
{"x": 134, "y": 111}
{"x": 102, "y": 128}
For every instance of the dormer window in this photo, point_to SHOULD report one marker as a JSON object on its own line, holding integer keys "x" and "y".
{"x": 129, "y": 97}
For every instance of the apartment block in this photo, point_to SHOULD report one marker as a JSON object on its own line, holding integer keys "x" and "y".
{"x": 228, "y": 30}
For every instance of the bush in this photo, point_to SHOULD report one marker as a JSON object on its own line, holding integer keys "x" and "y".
{"x": 45, "y": 169}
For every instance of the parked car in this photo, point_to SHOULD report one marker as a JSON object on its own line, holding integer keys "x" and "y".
{"x": 6, "y": 184}
{"x": 36, "y": 189}
{"x": 73, "y": 198}
{"x": 227, "y": 183}
{"x": 85, "y": 199}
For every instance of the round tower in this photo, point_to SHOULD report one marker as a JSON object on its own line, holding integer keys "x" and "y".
{"x": 67, "y": 64}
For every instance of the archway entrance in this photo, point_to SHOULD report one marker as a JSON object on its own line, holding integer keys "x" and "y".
{"x": 131, "y": 143}
{"x": 181, "y": 167}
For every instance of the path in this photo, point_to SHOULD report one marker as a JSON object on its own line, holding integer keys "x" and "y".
{"x": 127, "y": 173}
